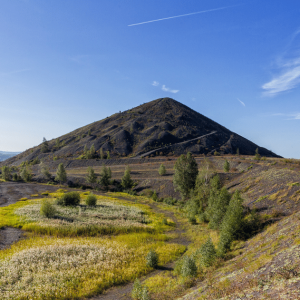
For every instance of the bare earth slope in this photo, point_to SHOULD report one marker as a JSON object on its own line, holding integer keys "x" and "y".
{"x": 162, "y": 123}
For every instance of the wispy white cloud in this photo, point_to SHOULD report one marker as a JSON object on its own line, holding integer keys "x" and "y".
{"x": 14, "y": 72}
{"x": 290, "y": 116}
{"x": 165, "y": 89}
{"x": 155, "y": 83}
{"x": 185, "y": 15}
{"x": 241, "y": 102}
{"x": 288, "y": 66}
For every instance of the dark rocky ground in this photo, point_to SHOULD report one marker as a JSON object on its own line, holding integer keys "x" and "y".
{"x": 163, "y": 124}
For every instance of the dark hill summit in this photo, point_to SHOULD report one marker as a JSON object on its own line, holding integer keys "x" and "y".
{"x": 163, "y": 123}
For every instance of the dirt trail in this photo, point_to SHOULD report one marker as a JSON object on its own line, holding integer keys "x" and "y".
{"x": 123, "y": 292}
{"x": 10, "y": 193}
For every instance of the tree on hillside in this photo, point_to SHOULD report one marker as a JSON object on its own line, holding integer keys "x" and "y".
{"x": 257, "y": 155}
{"x": 127, "y": 182}
{"x": 162, "y": 170}
{"x": 107, "y": 155}
{"x": 6, "y": 173}
{"x": 238, "y": 151}
{"x": 232, "y": 223}
{"x": 45, "y": 146}
{"x": 92, "y": 151}
{"x": 45, "y": 170}
{"x": 104, "y": 177}
{"x": 226, "y": 166}
{"x": 61, "y": 174}
{"x": 25, "y": 173}
{"x": 91, "y": 176}
{"x": 186, "y": 171}
{"x": 101, "y": 153}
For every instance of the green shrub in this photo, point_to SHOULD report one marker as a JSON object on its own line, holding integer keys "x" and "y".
{"x": 145, "y": 294}
{"x": 154, "y": 196}
{"x": 127, "y": 182}
{"x": 15, "y": 177}
{"x": 61, "y": 174}
{"x": 208, "y": 253}
{"x": 152, "y": 259}
{"x": 170, "y": 200}
{"x": 47, "y": 209}
{"x": 189, "y": 268}
{"x": 91, "y": 200}
{"x": 6, "y": 174}
{"x": 226, "y": 166}
{"x": 137, "y": 290}
{"x": 162, "y": 170}
{"x": 69, "y": 199}
{"x": 165, "y": 221}
{"x": 232, "y": 223}
{"x": 216, "y": 153}
{"x": 192, "y": 219}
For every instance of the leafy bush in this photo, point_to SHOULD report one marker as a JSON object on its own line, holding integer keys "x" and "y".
{"x": 69, "y": 199}
{"x": 47, "y": 209}
{"x": 189, "y": 268}
{"x": 154, "y": 196}
{"x": 232, "y": 223}
{"x": 170, "y": 200}
{"x": 162, "y": 170}
{"x": 208, "y": 253}
{"x": 127, "y": 182}
{"x": 137, "y": 290}
{"x": 186, "y": 171}
{"x": 6, "y": 174}
{"x": 152, "y": 259}
{"x": 91, "y": 200}
{"x": 192, "y": 219}
{"x": 226, "y": 166}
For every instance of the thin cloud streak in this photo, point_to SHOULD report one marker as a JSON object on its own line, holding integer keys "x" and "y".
{"x": 292, "y": 116}
{"x": 289, "y": 75}
{"x": 155, "y": 83}
{"x": 14, "y": 72}
{"x": 241, "y": 102}
{"x": 185, "y": 15}
{"x": 165, "y": 89}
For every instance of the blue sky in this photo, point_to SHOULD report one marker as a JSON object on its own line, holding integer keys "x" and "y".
{"x": 64, "y": 64}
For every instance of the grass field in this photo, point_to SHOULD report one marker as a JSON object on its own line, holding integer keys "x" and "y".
{"x": 56, "y": 267}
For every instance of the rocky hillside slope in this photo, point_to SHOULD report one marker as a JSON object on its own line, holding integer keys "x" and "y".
{"x": 160, "y": 127}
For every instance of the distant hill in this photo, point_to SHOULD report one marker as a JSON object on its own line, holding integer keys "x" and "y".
{"x": 163, "y": 123}
{"x": 5, "y": 155}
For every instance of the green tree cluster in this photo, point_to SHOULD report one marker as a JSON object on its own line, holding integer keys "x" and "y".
{"x": 6, "y": 173}
{"x": 186, "y": 171}
{"x": 127, "y": 183}
{"x": 45, "y": 146}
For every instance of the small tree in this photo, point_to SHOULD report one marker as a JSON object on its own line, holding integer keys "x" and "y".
{"x": 91, "y": 200}
{"x": 186, "y": 171}
{"x": 257, "y": 155}
{"x": 92, "y": 151}
{"x": 104, "y": 177}
{"x": 61, "y": 174}
{"x": 101, "y": 153}
{"x": 107, "y": 155}
{"x": 232, "y": 223}
{"x": 162, "y": 170}
{"x": 45, "y": 146}
{"x": 57, "y": 143}
{"x": 109, "y": 172}
{"x": 47, "y": 209}
{"x": 226, "y": 166}
{"x": 152, "y": 259}
{"x": 6, "y": 173}
{"x": 217, "y": 208}
{"x": 189, "y": 268}
{"x": 208, "y": 253}
{"x": 127, "y": 182}
{"x": 26, "y": 174}
{"x": 69, "y": 199}
{"x": 137, "y": 290}
{"x": 45, "y": 171}
{"x": 91, "y": 176}
{"x": 90, "y": 132}
{"x": 238, "y": 151}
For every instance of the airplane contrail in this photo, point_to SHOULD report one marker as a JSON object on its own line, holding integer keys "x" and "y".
{"x": 194, "y": 13}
